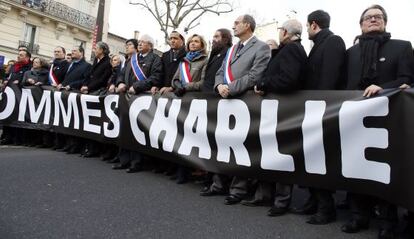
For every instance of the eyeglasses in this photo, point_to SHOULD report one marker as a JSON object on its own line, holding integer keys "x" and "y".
{"x": 377, "y": 17}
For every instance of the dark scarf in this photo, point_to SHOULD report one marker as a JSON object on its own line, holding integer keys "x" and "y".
{"x": 369, "y": 44}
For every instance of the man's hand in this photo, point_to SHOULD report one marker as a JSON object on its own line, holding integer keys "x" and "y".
{"x": 259, "y": 92}
{"x": 111, "y": 88}
{"x": 166, "y": 90}
{"x": 154, "y": 90}
{"x": 121, "y": 88}
{"x": 84, "y": 90}
{"x": 223, "y": 90}
{"x": 38, "y": 83}
{"x": 59, "y": 86}
{"x": 131, "y": 90}
{"x": 16, "y": 82}
{"x": 405, "y": 86}
{"x": 372, "y": 90}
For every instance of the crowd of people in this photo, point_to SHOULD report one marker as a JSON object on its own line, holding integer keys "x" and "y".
{"x": 373, "y": 63}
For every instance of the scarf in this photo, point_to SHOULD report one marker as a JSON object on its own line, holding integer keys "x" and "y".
{"x": 192, "y": 54}
{"x": 369, "y": 44}
{"x": 19, "y": 65}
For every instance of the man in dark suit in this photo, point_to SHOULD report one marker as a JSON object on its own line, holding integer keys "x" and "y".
{"x": 151, "y": 67}
{"x": 222, "y": 41}
{"x": 59, "y": 68}
{"x": 78, "y": 72}
{"x": 101, "y": 70}
{"x": 376, "y": 63}
{"x": 23, "y": 64}
{"x": 285, "y": 73}
{"x": 325, "y": 67}
{"x": 247, "y": 63}
{"x": 59, "y": 65}
{"x": 170, "y": 60}
{"x": 97, "y": 81}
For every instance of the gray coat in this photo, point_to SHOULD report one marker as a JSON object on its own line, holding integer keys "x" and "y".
{"x": 247, "y": 66}
{"x": 197, "y": 71}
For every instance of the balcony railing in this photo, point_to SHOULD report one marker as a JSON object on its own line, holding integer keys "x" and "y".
{"x": 60, "y": 11}
{"x": 32, "y": 48}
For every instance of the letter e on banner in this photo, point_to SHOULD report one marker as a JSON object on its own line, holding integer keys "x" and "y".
{"x": 355, "y": 138}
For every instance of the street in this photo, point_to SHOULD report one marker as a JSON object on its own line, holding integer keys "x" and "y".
{"x": 48, "y": 194}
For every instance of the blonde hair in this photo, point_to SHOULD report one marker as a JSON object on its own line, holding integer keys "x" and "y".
{"x": 203, "y": 43}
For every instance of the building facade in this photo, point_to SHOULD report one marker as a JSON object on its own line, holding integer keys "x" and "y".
{"x": 41, "y": 25}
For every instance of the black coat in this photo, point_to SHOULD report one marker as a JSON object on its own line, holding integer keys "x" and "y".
{"x": 326, "y": 62}
{"x": 60, "y": 67}
{"x": 100, "y": 73}
{"x": 77, "y": 74}
{"x": 286, "y": 69}
{"x": 151, "y": 66}
{"x": 170, "y": 65}
{"x": 213, "y": 65}
{"x": 394, "y": 66}
{"x": 18, "y": 74}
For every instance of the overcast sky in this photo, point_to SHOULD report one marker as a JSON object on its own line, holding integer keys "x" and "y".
{"x": 124, "y": 19}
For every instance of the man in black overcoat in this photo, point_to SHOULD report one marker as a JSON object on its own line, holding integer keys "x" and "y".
{"x": 285, "y": 73}
{"x": 377, "y": 62}
{"x": 325, "y": 72}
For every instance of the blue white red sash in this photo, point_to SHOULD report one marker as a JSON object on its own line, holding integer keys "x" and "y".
{"x": 139, "y": 74}
{"x": 185, "y": 73}
{"x": 52, "y": 78}
{"x": 228, "y": 74}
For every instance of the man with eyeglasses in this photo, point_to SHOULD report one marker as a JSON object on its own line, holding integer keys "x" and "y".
{"x": 374, "y": 64}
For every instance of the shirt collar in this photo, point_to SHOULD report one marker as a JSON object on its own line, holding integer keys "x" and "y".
{"x": 247, "y": 41}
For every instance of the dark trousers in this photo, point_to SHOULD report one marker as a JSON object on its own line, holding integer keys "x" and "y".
{"x": 361, "y": 207}
{"x": 283, "y": 195}
{"x": 130, "y": 158}
{"x": 239, "y": 187}
{"x": 324, "y": 200}
{"x": 220, "y": 183}
{"x": 264, "y": 191}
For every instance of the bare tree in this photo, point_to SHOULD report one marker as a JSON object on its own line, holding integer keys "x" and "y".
{"x": 171, "y": 14}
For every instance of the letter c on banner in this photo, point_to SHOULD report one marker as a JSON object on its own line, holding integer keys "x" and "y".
{"x": 139, "y": 104}
{"x": 11, "y": 103}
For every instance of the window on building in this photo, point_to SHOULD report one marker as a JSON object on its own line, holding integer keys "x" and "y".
{"x": 29, "y": 34}
{"x": 80, "y": 43}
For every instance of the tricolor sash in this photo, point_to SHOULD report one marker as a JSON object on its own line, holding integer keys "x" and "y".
{"x": 52, "y": 78}
{"x": 228, "y": 74}
{"x": 185, "y": 73}
{"x": 139, "y": 74}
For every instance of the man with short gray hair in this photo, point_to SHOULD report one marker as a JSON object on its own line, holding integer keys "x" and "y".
{"x": 242, "y": 68}
{"x": 285, "y": 73}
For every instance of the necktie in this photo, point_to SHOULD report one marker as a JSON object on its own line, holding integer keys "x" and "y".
{"x": 239, "y": 48}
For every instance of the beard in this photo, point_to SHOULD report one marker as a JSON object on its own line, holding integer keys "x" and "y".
{"x": 217, "y": 47}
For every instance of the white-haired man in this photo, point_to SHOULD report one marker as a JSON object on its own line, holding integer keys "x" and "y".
{"x": 150, "y": 64}
{"x": 285, "y": 73}
{"x": 143, "y": 70}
